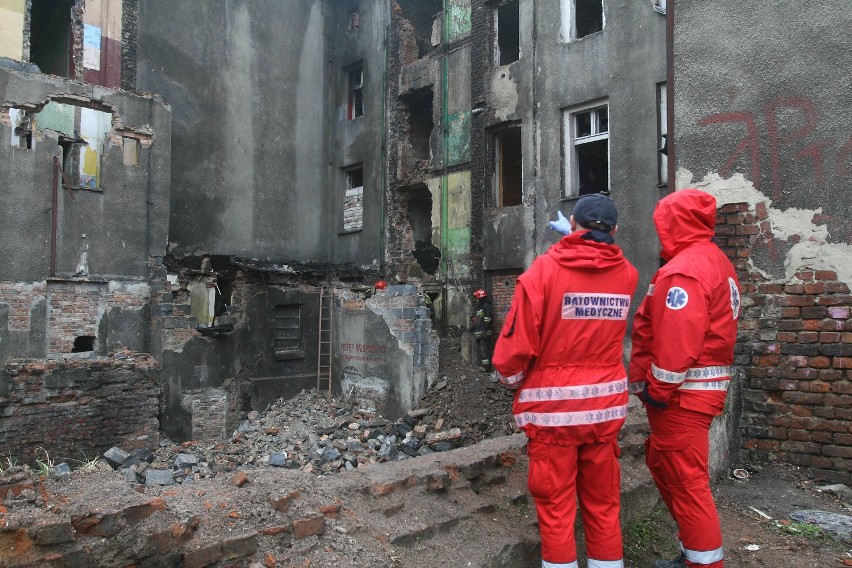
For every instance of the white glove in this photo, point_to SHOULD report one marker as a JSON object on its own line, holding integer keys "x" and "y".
{"x": 561, "y": 225}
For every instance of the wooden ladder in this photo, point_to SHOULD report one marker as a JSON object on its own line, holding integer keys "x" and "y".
{"x": 326, "y": 312}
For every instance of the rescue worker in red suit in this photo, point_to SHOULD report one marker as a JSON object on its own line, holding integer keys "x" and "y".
{"x": 683, "y": 348}
{"x": 561, "y": 348}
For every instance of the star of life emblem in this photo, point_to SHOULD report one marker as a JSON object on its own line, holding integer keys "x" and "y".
{"x": 676, "y": 298}
{"x": 735, "y": 298}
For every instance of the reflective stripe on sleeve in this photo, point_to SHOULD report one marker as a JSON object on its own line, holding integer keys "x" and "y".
{"x": 667, "y": 376}
{"x": 512, "y": 380}
{"x": 573, "y": 393}
{"x": 580, "y": 418}
{"x": 546, "y": 564}
{"x": 605, "y": 563}
{"x": 704, "y": 556}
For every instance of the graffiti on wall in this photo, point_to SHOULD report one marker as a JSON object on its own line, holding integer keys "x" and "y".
{"x": 786, "y": 131}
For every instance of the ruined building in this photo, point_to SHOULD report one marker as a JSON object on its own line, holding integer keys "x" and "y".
{"x": 231, "y": 225}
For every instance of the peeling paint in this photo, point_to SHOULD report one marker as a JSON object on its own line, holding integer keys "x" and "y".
{"x": 504, "y": 94}
{"x": 809, "y": 248}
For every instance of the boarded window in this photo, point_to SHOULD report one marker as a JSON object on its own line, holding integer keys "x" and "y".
{"x": 586, "y": 150}
{"x": 288, "y": 328}
{"x": 353, "y": 201}
{"x": 508, "y": 161}
{"x": 355, "y": 92}
{"x": 507, "y": 28}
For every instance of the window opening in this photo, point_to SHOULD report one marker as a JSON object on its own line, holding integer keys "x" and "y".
{"x": 422, "y": 15}
{"x": 589, "y": 17}
{"x": 353, "y": 17}
{"x": 426, "y": 254}
{"x": 22, "y": 131}
{"x": 353, "y": 203}
{"x": 83, "y": 343}
{"x": 508, "y": 162}
{"x": 288, "y": 327}
{"x": 508, "y": 28}
{"x": 50, "y": 36}
{"x": 662, "y": 131}
{"x": 420, "y": 123}
{"x": 355, "y": 96}
{"x": 587, "y": 151}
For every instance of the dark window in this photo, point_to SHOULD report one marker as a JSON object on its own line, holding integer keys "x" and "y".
{"x": 288, "y": 328}
{"x": 83, "y": 343}
{"x": 591, "y": 143}
{"x": 508, "y": 171}
{"x": 50, "y": 36}
{"x": 355, "y": 97}
{"x": 589, "y": 16}
{"x": 425, "y": 252}
{"x": 508, "y": 33}
{"x": 420, "y": 122}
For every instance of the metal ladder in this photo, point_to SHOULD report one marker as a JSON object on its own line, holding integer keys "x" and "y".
{"x": 326, "y": 312}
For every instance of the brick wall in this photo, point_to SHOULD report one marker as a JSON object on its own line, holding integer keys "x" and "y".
{"x": 502, "y": 286}
{"x": 20, "y": 298}
{"x": 795, "y": 346}
{"x": 77, "y": 408}
{"x": 73, "y": 310}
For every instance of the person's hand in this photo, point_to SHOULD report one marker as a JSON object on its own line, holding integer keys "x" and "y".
{"x": 561, "y": 225}
{"x": 648, "y": 401}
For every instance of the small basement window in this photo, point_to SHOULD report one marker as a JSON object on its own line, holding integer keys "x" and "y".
{"x": 355, "y": 92}
{"x": 287, "y": 332}
{"x": 507, "y": 28}
{"x": 83, "y": 343}
{"x": 508, "y": 172}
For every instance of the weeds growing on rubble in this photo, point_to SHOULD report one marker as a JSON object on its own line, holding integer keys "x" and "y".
{"x": 45, "y": 467}
{"x": 808, "y": 530}
{"x": 9, "y": 463}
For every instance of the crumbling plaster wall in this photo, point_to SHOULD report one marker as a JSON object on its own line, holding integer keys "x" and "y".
{"x": 128, "y": 212}
{"x": 758, "y": 126}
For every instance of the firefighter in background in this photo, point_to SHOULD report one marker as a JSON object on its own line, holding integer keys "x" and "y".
{"x": 561, "y": 348}
{"x": 683, "y": 348}
{"x": 481, "y": 329}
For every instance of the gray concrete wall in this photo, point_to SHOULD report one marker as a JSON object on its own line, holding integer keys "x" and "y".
{"x": 256, "y": 93}
{"x": 624, "y": 63}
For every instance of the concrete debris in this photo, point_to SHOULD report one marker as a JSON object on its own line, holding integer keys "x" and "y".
{"x": 315, "y": 435}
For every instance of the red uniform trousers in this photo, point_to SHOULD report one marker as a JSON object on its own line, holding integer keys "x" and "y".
{"x": 677, "y": 455}
{"x": 557, "y": 476}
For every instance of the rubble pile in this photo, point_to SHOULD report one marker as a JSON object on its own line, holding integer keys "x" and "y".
{"x": 315, "y": 435}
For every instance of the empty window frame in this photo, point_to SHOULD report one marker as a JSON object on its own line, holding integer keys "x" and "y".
{"x": 508, "y": 171}
{"x": 662, "y": 131}
{"x": 353, "y": 200}
{"x": 507, "y": 29}
{"x": 581, "y": 18}
{"x": 354, "y": 91}
{"x": 50, "y": 36}
{"x": 287, "y": 332}
{"x": 586, "y": 150}
{"x": 353, "y": 17}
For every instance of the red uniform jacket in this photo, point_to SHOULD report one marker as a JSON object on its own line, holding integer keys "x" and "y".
{"x": 686, "y": 327}
{"x": 561, "y": 343}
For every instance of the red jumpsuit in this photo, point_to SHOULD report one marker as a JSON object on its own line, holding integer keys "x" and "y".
{"x": 683, "y": 348}
{"x": 561, "y": 347}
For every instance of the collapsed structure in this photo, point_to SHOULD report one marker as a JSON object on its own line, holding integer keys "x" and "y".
{"x": 232, "y": 225}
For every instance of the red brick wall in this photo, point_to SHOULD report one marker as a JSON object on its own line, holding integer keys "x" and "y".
{"x": 20, "y": 298}
{"x": 74, "y": 310}
{"x": 795, "y": 345}
{"x": 502, "y": 288}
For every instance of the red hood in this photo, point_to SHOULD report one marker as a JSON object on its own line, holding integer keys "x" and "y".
{"x": 574, "y": 252}
{"x": 684, "y": 218}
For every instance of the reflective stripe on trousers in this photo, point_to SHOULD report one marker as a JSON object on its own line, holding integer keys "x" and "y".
{"x": 703, "y": 556}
